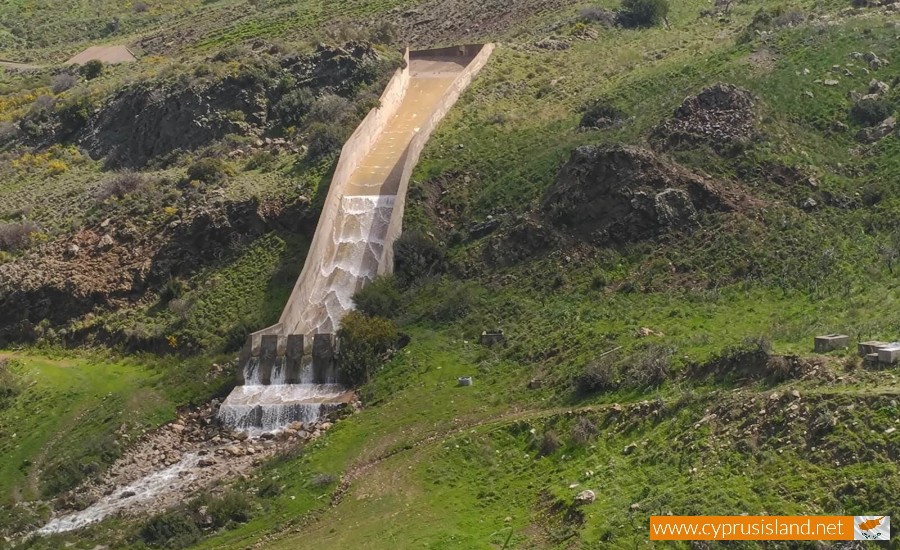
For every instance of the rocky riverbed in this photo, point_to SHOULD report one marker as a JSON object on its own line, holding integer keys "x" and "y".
{"x": 173, "y": 463}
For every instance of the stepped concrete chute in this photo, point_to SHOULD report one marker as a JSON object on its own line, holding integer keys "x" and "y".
{"x": 361, "y": 218}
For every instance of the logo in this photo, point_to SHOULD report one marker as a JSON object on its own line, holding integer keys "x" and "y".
{"x": 871, "y": 527}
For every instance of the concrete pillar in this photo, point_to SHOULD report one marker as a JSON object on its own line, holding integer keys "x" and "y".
{"x": 323, "y": 358}
{"x": 268, "y": 350}
{"x": 243, "y": 359}
{"x": 293, "y": 358}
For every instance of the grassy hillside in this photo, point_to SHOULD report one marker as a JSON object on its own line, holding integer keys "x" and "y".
{"x": 671, "y": 374}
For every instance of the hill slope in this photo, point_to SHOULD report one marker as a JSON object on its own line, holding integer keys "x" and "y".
{"x": 658, "y": 248}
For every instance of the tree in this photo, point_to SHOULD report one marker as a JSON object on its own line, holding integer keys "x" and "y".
{"x": 643, "y": 13}
{"x": 92, "y": 69}
{"x": 364, "y": 340}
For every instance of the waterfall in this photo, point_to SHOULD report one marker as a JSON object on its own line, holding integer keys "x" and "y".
{"x": 268, "y": 401}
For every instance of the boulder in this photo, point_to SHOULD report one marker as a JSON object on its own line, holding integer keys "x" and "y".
{"x": 871, "y": 135}
{"x": 585, "y": 497}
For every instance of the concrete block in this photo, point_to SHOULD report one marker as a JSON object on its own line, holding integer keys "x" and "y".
{"x": 871, "y": 359}
{"x": 890, "y": 354}
{"x": 489, "y": 338}
{"x": 830, "y": 342}
{"x": 293, "y": 358}
{"x": 872, "y": 346}
{"x": 323, "y": 358}
{"x": 268, "y": 351}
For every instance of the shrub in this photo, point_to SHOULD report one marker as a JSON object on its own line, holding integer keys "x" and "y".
{"x": 363, "y": 340}
{"x": 62, "y": 82}
{"x": 40, "y": 117}
{"x": 380, "y": 298}
{"x": 650, "y": 367}
{"x": 384, "y": 33}
{"x": 92, "y": 69}
{"x": 264, "y": 161}
{"x": 597, "y": 376}
{"x": 324, "y": 139}
{"x": 416, "y": 255}
{"x": 140, "y": 7}
{"x": 294, "y": 106}
{"x": 208, "y": 170}
{"x": 173, "y": 530}
{"x": 549, "y": 443}
{"x": 17, "y": 235}
{"x": 583, "y": 430}
{"x": 871, "y": 112}
{"x": 331, "y": 109}
{"x": 601, "y": 114}
{"x": 124, "y": 183}
{"x": 74, "y": 114}
{"x": 643, "y": 13}
{"x": 233, "y": 506}
{"x": 181, "y": 307}
{"x": 8, "y": 132}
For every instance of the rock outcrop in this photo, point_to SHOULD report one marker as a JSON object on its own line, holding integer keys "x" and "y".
{"x": 150, "y": 120}
{"x": 624, "y": 194}
{"x": 720, "y": 116}
{"x": 114, "y": 264}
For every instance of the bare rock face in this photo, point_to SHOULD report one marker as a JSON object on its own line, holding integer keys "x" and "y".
{"x": 109, "y": 267}
{"x": 150, "y": 120}
{"x": 627, "y": 193}
{"x": 720, "y": 116}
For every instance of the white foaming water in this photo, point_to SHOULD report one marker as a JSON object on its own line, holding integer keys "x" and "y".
{"x": 357, "y": 237}
{"x": 144, "y": 489}
{"x": 357, "y": 245}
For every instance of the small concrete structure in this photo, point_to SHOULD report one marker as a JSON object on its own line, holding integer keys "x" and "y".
{"x": 872, "y": 346}
{"x": 293, "y": 358}
{"x": 464, "y": 381}
{"x": 323, "y": 353}
{"x": 889, "y": 354}
{"x": 268, "y": 353}
{"x": 831, "y": 342}
{"x": 489, "y": 338}
{"x": 870, "y": 359}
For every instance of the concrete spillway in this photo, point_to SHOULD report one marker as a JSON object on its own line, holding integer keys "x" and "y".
{"x": 289, "y": 369}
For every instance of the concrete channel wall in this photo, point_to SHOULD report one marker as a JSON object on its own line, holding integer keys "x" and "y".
{"x": 353, "y": 152}
{"x": 417, "y": 144}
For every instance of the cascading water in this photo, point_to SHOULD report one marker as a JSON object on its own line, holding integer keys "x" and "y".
{"x": 266, "y": 401}
{"x": 140, "y": 491}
